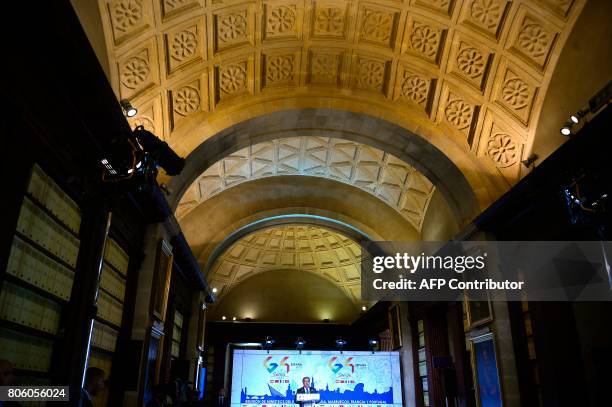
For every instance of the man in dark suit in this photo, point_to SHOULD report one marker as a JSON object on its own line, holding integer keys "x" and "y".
{"x": 94, "y": 384}
{"x": 305, "y": 389}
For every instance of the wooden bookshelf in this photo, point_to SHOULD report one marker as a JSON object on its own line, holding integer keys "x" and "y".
{"x": 422, "y": 362}
{"x": 177, "y": 330}
{"x": 111, "y": 298}
{"x": 38, "y": 281}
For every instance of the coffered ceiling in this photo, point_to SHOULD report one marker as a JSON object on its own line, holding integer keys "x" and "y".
{"x": 393, "y": 181}
{"x": 303, "y": 248}
{"x": 468, "y": 75}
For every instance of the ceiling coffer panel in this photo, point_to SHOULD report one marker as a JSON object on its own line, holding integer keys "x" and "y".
{"x": 395, "y": 182}
{"x": 305, "y": 248}
{"x": 475, "y": 71}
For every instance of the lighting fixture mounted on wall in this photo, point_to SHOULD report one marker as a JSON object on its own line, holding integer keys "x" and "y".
{"x": 373, "y": 343}
{"x": 128, "y": 109}
{"x": 600, "y": 100}
{"x": 573, "y": 121}
{"x": 300, "y": 343}
{"x": 268, "y": 343}
{"x": 340, "y": 344}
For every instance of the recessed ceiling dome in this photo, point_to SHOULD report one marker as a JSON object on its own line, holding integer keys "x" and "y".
{"x": 304, "y": 248}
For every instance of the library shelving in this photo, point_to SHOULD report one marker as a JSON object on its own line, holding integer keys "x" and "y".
{"x": 39, "y": 276}
{"x": 111, "y": 297}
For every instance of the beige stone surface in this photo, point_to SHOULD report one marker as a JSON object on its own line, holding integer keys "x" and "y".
{"x": 471, "y": 73}
{"x": 385, "y": 176}
{"x": 302, "y": 248}
{"x": 286, "y": 295}
{"x": 469, "y": 77}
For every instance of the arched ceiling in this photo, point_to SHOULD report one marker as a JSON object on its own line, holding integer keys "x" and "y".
{"x": 209, "y": 225}
{"x": 393, "y": 181}
{"x": 468, "y": 75}
{"x": 285, "y": 296}
{"x": 304, "y": 248}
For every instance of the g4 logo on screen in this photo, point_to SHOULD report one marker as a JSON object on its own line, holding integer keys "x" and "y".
{"x": 336, "y": 367}
{"x": 271, "y": 366}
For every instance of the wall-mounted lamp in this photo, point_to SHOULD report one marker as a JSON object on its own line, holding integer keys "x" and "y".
{"x": 373, "y": 343}
{"x": 300, "y": 343}
{"x": 128, "y": 109}
{"x": 268, "y": 343}
{"x": 340, "y": 344}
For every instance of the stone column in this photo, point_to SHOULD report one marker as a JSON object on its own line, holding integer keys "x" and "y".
{"x": 407, "y": 357}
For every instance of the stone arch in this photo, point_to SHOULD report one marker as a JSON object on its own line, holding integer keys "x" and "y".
{"x": 383, "y": 135}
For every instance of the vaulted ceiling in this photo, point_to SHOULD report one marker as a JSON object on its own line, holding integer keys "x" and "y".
{"x": 468, "y": 75}
{"x": 261, "y": 83}
{"x": 387, "y": 177}
{"x": 303, "y": 248}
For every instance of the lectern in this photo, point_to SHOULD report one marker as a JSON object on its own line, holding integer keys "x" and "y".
{"x": 307, "y": 399}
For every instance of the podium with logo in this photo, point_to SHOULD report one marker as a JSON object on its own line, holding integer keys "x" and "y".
{"x": 307, "y": 399}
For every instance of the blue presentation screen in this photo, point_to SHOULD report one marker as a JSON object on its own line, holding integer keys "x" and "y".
{"x": 351, "y": 378}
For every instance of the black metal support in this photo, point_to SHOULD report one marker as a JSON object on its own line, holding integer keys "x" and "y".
{"x": 94, "y": 230}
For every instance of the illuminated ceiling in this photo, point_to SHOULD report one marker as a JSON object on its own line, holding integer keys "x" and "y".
{"x": 469, "y": 76}
{"x": 303, "y": 248}
{"x": 393, "y": 181}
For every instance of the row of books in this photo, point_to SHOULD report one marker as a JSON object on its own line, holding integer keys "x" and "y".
{"x": 24, "y": 307}
{"x": 32, "y": 266}
{"x": 25, "y": 351}
{"x": 43, "y": 253}
{"x": 115, "y": 255}
{"x": 109, "y": 309}
{"x": 177, "y": 327}
{"x": 112, "y": 283}
{"x": 104, "y": 337}
{"x": 34, "y": 223}
{"x": 176, "y": 349}
{"x": 51, "y": 196}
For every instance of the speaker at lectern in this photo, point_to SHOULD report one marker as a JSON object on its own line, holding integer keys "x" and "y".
{"x": 307, "y": 399}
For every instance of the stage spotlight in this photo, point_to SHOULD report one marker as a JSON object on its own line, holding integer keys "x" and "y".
{"x": 566, "y": 130}
{"x": 300, "y": 343}
{"x": 576, "y": 117}
{"x": 340, "y": 344}
{"x": 373, "y": 343}
{"x": 573, "y": 120}
{"x": 214, "y": 290}
{"x": 364, "y": 308}
{"x": 233, "y": 318}
{"x": 128, "y": 109}
{"x": 223, "y": 317}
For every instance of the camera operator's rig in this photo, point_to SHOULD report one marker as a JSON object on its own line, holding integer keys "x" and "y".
{"x": 132, "y": 163}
